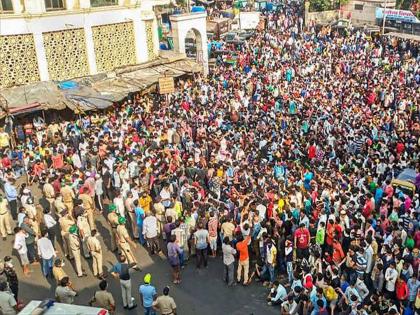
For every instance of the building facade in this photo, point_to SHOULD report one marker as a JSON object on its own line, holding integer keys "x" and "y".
{"x": 363, "y": 12}
{"x": 43, "y": 40}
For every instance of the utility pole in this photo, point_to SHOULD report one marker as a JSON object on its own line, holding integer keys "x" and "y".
{"x": 384, "y": 17}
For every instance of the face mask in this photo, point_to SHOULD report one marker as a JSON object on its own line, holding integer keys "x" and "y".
{"x": 9, "y": 264}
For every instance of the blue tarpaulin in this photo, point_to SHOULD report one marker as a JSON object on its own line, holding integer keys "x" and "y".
{"x": 67, "y": 85}
{"x": 198, "y": 9}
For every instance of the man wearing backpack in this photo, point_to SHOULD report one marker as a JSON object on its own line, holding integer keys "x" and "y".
{"x": 270, "y": 259}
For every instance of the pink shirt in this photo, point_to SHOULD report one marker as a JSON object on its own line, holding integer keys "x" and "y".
{"x": 213, "y": 224}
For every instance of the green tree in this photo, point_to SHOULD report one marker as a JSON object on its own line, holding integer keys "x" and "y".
{"x": 324, "y": 5}
{"x": 319, "y": 5}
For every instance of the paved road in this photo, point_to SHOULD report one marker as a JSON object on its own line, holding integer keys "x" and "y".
{"x": 201, "y": 291}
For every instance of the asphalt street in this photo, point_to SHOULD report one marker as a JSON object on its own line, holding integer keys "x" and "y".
{"x": 200, "y": 292}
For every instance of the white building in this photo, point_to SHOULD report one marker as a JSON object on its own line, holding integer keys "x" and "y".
{"x": 43, "y": 40}
{"x": 363, "y": 11}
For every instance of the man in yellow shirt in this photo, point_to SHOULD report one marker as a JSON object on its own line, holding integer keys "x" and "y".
{"x": 4, "y": 139}
{"x": 145, "y": 202}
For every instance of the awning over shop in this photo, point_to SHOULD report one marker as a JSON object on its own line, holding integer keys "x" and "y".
{"x": 404, "y": 36}
{"x": 32, "y": 97}
{"x": 94, "y": 92}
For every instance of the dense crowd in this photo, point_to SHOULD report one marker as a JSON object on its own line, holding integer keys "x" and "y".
{"x": 283, "y": 160}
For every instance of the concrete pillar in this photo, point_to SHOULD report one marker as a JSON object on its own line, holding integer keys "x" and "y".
{"x": 34, "y": 6}
{"x": 306, "y": 16}
{"x": 41, "y": 57}
{"x": 72, "y": 5}
{"x": 155, "y": 36}
{"x": 140, "y": 40}
{"x": 205, "y": 54}
{"x": 84, "y": 4}
{"x": 90, "y": 49}
{"x": 17, "y": 6}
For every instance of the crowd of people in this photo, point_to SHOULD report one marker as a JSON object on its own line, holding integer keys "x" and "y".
{"x": 282, "y": 162}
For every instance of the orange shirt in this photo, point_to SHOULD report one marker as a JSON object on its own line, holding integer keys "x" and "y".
{"x": 330, "y": 233}
{"x": 57, "y": 161}
{"x": 338, "y": 253}
{"x": 242, "y": 248}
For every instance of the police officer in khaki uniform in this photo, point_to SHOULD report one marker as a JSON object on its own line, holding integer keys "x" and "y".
{"x": 160, "y": 214}
{"x": 124, "y": 241}
{"x": 75, "y": 249}
{"x": 4, "y": 218}
{"x": 66, "y": 221}
{"x": 68, "y": 196}
{"x": 84, "y": 231}
{"x": 89, "y": 206}
{"x": 95, "y": 249}
{"x": 59, "y": 204}
{"x": 103, "y": 298}
{"x": 113, "y": 221}
{"x": 49, "y": 193}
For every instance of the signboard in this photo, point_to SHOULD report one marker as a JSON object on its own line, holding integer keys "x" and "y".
{"x": 166, "y": 85}
{"x": 199, "y": 57}
{"x": 399, "y": 15}
{"x": 249, "y": 20}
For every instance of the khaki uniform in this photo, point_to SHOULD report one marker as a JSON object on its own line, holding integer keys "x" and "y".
{"x": 113, "y": 221}
{"x": 59, "y": 205}
{"x": 5, "y": 227}
{"x": 96, "y": 251}
{"x": 84, "y": 228}
{"x": 68, "y": 195}
{"x": 75, "y": 249}
{"x": 165, "y": 304}
{"x": 65, "y": 224}
{"x": 123, "y": 237}
{"x": 160, "y": 215}
{"x": 89, "y": 206}
{"x": 49, "y": 194}
{"x": 103, "y": 299}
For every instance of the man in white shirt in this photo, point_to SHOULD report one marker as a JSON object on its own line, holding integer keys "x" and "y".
{"x": 369, "y": 257}
{"x": 261, "y": 211}
{"x": 165, "y": 194}
{"x": 119, "y": 202}
{"x": 150, "y": 232}
{"x": 228, "y": 261}
{"x": 47, "y": 253}
{"x": 20, "y": 246}
{"x": 391, "y": 276}
{"x": 51, "y": 225}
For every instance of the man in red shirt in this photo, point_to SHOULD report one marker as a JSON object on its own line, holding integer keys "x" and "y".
{"x": 302, "y": 239}
{"x": 369, "y": 206}
{"x": 242, "y": 248}
{"x": 5, "y": 162}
